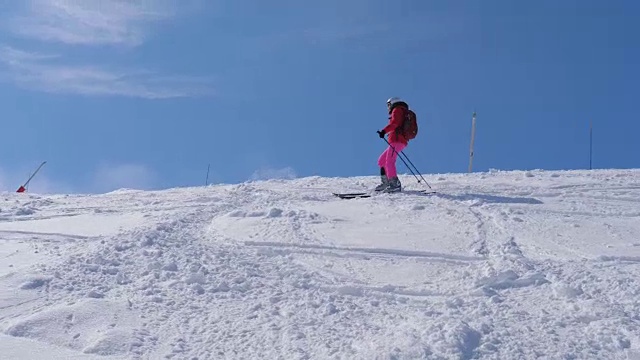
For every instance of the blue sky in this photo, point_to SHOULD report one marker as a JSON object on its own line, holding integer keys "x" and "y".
{"x": 146, "y": 94}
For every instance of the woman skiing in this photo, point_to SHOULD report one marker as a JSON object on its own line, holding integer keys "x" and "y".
{"x": 398, "y": 111}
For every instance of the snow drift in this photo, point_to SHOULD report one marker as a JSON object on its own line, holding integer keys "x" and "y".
{"x": 496, "y": 265}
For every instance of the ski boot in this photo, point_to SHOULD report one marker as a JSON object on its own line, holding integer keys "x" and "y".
{"x": 394, "y": 185}
{"x": 384, "y": 181}
{"x": 384, "y": 184}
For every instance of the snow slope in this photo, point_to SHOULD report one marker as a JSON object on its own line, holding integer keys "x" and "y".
{"x": 498, "y": 265}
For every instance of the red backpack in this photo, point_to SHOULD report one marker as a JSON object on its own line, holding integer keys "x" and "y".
{"x": 410, "y": 125}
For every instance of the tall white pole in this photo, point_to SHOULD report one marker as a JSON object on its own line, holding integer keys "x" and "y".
{"x": 473, "y": 137}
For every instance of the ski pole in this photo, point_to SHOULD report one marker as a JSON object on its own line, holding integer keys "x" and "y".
{"x": 418, "y": 171}
{"x": 401, "y": 158}
{"x": 407, "y": 165}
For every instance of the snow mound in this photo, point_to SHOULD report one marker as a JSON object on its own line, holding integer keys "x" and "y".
{"x": 35, "y": 282}
{"x": 496, "y": 265}
{"x": 100, "y": 327}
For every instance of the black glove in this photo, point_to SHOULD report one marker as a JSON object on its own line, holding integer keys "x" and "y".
{"x": 381, "y": 133}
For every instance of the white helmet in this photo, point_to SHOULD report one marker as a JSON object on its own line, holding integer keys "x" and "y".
{"x": 393, "y": 100}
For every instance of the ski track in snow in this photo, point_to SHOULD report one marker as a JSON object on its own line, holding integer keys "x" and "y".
{"x": 497, "y": 265}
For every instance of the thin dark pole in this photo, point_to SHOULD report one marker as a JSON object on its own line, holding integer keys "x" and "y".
{"x": 590, "y": 144}
{"x": 26, "y": 184}
{"x": 206, "y": 182}
{"x": 407, "y": 165}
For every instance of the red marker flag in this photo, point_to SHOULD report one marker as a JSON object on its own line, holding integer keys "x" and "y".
{"x": 23, "y": 188}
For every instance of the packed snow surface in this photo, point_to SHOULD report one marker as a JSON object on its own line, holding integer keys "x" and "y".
{"x": 496, "y": 265}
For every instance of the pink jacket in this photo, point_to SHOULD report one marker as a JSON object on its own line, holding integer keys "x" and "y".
{"x": 395, "y": 121}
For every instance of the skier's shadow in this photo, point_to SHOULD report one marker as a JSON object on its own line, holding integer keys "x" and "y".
{"x": 490, "y": 198}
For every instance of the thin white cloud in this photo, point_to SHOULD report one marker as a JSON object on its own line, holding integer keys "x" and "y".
{"x": 42, "y": 184}
{"x": 105, "y": 178}
{"x": 123, "y": 176}
{"x": 269, "y": 173}
{"x": 88, "y": 22}
{"x": 343, "y": 33}
{"x": 10, "y": 181}
{"x": 4, "y": 182}
{"x": 43, "y": 72}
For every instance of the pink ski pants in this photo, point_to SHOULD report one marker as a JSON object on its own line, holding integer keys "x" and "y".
{"x": 387, "y": 159}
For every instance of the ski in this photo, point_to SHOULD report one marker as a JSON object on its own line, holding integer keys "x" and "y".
{"x": 352, "y": 195}
{"x": 359, "y": 195}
